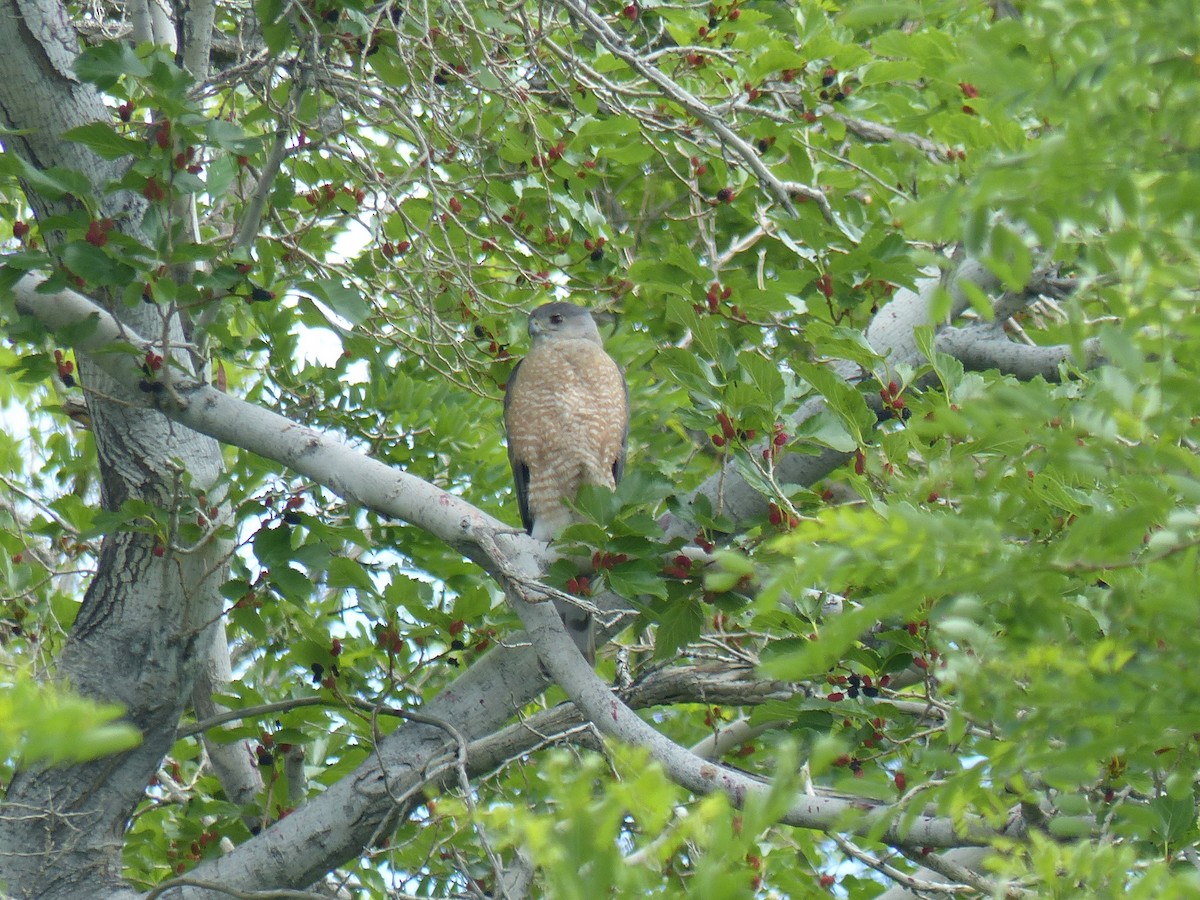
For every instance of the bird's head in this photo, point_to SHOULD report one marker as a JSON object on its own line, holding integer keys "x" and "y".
{"x": 560, "y": 321}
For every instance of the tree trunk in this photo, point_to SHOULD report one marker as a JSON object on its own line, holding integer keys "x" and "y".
{"x": 147, "y": 615}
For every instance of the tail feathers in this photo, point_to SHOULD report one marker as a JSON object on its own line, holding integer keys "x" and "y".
{"x": 580, "y": 627}
{"x": 549, "y": 522}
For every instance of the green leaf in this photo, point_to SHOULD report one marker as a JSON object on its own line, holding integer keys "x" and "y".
{"x": 637, "y": 578}
{"x": 292, "y": 583}
{"x": 104, "y": 141}
{"x": 765, "y": 375}
{"x": 276, "y": 32}
{"x": 842, "y": 343}
{"x": 843, "y": 400}
{"x": 273, "y": 546}
{"x": 55, "y": 182}
{"x": 683, "y": 367}
{"x": 104, "y": 64}
{"x": 43, "y": 724}
{"x": 678, "y": 625}
{"x": 229, "y": 136}
{"x": 344, "y": 299}
{"x": 828, "y": 429}
{"x": 95, "y": 266}
{"x": 870, "y": 14}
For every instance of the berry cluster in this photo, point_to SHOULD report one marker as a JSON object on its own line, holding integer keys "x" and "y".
{"x": 66, "y": 369}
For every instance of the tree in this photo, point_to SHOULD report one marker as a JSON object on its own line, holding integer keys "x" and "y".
{"x": 898, "y": 580}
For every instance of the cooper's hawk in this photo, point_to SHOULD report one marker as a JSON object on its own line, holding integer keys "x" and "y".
{"x": 566, "y": 412}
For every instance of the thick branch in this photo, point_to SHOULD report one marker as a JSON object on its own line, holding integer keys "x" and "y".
{"x": 299, "y": 849}
{"x": 327, "y": 460}
{"x": 608, "y": 713}
{"x": 383, "y": 789}
{"x": 986, "y": 346}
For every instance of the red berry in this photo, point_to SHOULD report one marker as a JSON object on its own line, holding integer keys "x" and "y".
{"x": 726, "y": 425}
{"x": 20, "y": 230}
{"x": 630, "y": 12}
{"x": 725, "y": 195}
{"x": 403, "y": 246}
{"x": 162, "y": 134}
{"x": 153, "y": 191}
{"x": 97, "y": 234}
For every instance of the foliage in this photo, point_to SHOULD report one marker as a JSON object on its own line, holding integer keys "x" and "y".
{"x": 41, "y": 725}
{"x": 1018, "y": 557}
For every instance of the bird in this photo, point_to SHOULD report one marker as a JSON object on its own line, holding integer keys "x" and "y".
{"x": 566, "y": 417}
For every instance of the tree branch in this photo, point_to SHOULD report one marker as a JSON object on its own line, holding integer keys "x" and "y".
{"x": 410, "y": 756}
{"x": 616, "y": 45}
{"x": 512, "y": 557}
{"x": 985, "y": 346}
{"x": 608, "y": 713}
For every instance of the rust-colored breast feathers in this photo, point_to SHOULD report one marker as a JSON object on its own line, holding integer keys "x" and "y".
{"x": 567, "y": 419}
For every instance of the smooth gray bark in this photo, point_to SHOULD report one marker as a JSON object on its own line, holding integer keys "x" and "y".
{"x": 144, "y": 616}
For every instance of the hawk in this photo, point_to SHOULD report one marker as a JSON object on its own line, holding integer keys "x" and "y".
{"x": 566, "y": 413}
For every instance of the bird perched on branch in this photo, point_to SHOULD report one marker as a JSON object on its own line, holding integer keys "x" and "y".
{"x": 566, "y": 413}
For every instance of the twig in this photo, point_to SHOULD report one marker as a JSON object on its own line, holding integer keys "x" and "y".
{"x": 615, "y": 44}
{"x": 909, "y": 881}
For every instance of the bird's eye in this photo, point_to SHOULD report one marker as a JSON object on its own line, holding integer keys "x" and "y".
{"x": 556, "y": 319}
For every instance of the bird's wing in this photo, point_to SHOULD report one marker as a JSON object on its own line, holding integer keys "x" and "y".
{"x": 519, "y": 469}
